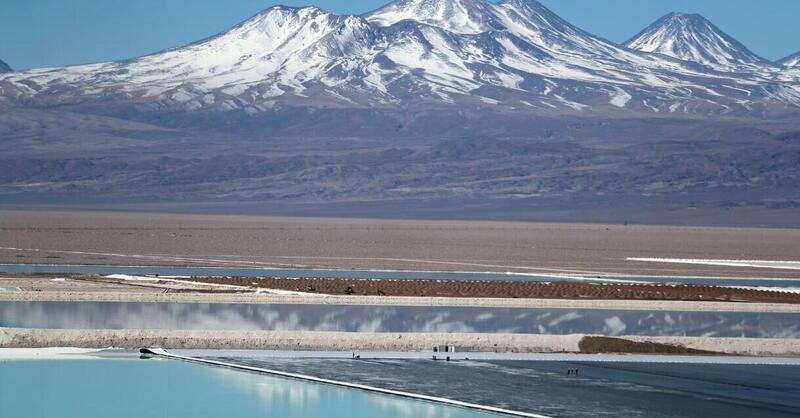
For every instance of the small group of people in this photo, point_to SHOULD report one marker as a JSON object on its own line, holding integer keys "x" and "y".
{"x": 572, "y": 371}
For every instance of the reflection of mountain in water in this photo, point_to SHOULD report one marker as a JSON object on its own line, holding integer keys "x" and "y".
{"x": 306, "y": 397}
{"x": 122, "y": 315}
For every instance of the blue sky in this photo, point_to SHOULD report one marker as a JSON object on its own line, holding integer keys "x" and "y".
{"x": 39, "y": 33}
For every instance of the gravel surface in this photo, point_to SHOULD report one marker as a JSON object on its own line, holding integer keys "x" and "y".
{"x": 79, "y": 291}
{"x": 362, "y": 341}
{"x": 511, "y": 289}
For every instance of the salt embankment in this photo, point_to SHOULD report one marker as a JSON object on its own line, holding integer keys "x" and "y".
{"x": 363, "y": 341}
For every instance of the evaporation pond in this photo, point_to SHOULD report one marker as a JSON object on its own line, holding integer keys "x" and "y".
{"x": 162, "y": 388}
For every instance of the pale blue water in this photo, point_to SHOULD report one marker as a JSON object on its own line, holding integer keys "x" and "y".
{"x": 157, "y": 388}
{"x": 363, "y": 274}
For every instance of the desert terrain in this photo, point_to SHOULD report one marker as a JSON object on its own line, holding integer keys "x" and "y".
{"x": 82, "y": 287}
{"x": 515, "y": 289}
{"x": 119, "y": 238}
{"x": 575, "y": 250}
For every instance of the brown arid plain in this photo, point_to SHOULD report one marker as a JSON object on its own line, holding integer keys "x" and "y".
{"x": 119, "y": 238}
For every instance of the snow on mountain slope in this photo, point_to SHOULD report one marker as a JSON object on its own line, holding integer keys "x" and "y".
{"x": 544, "y": 28}
{"x": 691, "y": 37}
{"x": 567, "y": 53}
{"x": 514, "y": 53}
{"x": 248, "y": 52}
{"x": 579, "y": 50}
{"x": 273, "y": 53}
{"x": 459, "y": 16}
{"x": 564, "y": 52}
{"x": 792, "y": 61}
{"x": 4, "y": 68}
{"x": 526, "y": 19}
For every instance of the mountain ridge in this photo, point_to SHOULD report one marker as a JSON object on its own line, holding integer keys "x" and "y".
{"x": 5, "y": 68}
{"x": 792, "y": 61}
{"x": 516, "y": 54}
{"x": 531, "y": 115}
{"x": 692, "y": 37}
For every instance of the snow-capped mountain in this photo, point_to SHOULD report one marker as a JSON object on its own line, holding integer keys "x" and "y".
{"x": 471, "y": 102}
{"x": 514, "y": 54}
{"x": 4, "y": 68}
{"x": 792, "y": 61}
{"x": 691, "y": 37}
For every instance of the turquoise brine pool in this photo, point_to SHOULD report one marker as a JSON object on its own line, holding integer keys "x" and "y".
{"x": 160, "y": 388}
